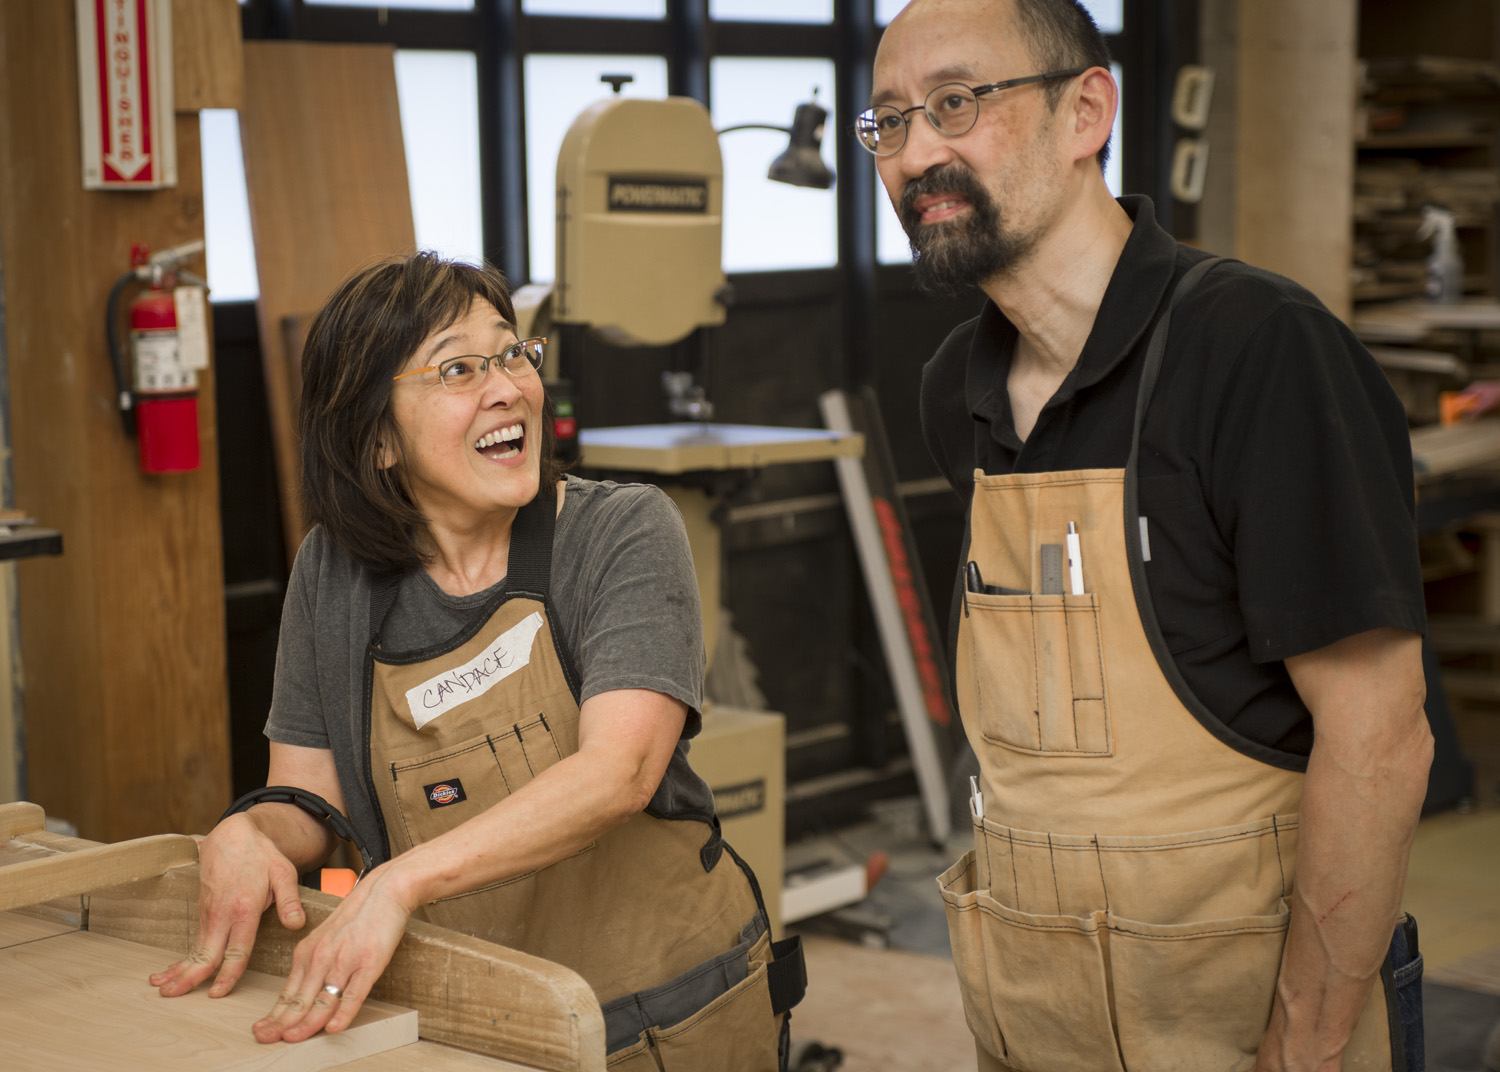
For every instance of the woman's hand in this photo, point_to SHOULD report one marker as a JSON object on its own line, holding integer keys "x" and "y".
{"x": 347, "y": 951}
{"x": 241, "y": 873}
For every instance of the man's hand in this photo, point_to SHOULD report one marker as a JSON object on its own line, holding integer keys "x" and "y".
{"x": 347, "y": 951}
{"x": 1366, "y": 779}
{"x": 242, "y": 873}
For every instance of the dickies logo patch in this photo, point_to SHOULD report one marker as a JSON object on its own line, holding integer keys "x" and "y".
{"x": 442, "y": 794}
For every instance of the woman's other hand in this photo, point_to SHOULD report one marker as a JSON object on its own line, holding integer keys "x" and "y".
{"x": 242, "y": 873}
{"x": 346, "y": 952}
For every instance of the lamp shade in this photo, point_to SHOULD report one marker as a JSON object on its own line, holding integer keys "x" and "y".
{"x": 801, "y": 164}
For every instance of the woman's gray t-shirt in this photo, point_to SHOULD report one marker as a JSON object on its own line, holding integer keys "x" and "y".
{"x": 623, "y": 596}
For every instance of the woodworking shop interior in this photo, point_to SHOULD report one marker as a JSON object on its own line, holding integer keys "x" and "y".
{"x": 678, "y": 197}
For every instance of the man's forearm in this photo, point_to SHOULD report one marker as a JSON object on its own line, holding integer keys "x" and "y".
{"x": 1359, "y": 812}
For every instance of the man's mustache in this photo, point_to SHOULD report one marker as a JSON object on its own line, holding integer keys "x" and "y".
{"x": 950, "y": 179}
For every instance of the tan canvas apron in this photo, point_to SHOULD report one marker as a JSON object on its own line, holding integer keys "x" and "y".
{"x": 1125, "y": 903}
{"x": 658, "y": 915}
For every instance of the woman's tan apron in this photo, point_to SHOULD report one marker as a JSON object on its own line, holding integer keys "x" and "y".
{"x": 658, "y": 915}
{"x": 1126, "y": 900}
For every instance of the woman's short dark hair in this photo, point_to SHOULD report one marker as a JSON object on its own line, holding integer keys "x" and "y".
{"x": 363, "y": 335}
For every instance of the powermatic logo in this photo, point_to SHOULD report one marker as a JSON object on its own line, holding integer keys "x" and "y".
{"x": 442, "y": 794}
{"x": 744, "y": 799}
{"x": 657, "y": 195}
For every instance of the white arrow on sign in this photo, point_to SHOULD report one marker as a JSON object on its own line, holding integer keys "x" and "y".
{"x": 126, "y": 120}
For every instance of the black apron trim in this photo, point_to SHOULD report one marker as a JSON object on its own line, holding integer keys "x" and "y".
{"x": 1155, "y": 351}
{"x": 787, "y": 974}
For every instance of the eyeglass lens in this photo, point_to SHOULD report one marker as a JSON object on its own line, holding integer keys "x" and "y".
{"x": 951, "y": 109}
{"x": 467, "y": 372}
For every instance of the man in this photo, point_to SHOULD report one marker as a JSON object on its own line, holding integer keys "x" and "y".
{"x": 1188, "y": 626}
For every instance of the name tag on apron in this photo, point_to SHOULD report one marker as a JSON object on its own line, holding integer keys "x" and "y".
{"x": 440, "y": 694}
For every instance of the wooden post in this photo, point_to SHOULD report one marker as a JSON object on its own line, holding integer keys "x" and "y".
{"x": 1294, "y": 142}
{"x": 123, "y": 636}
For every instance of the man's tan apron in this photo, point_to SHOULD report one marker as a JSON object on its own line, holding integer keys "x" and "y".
{"x": 1126, "y": 900}
{"x": 658, "y": 915}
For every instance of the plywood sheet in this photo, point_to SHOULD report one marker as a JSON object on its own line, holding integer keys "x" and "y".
{"x": 325, "y": 169}
{"x": 81, "y": 1001}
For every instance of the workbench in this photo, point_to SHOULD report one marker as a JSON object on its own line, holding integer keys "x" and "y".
{"x": 82, "y": 925}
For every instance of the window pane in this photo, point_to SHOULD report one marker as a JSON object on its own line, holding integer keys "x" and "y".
{"x": 770, "y": 225}
{"x": 1109, "y": 15}
{"x": 1116, "y": 139}
{"x": 772, "y": 10}
{"x": 609, "y": 9}
{"x": 886, "y": 10}
{"x": 557, "y": 89}
{"x": 230, "y": 250}
{"x": 425, "y": 5}
{"x": 891, "y": 246}
{"x": 439, "y": 97}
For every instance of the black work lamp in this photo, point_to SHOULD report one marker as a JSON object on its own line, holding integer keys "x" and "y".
{"x": 801, "y": 164}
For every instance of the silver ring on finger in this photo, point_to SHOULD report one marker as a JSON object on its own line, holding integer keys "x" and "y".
{"x": 333, "y": 991}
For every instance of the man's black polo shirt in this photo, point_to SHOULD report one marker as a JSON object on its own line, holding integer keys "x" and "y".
{"x": 1275, "y": 468}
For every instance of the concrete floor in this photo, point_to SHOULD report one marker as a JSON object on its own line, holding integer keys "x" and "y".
{"x": 897, "y": 1009}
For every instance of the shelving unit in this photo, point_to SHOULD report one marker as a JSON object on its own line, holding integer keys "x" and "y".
{"x": 1426, "y": 133}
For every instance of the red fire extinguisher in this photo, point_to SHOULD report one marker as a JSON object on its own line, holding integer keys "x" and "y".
{"x": 158, "y": 399}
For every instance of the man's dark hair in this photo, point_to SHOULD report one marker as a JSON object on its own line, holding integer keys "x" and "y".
{"x": 365, "y": 332}
{"x": 1061, "y": 35}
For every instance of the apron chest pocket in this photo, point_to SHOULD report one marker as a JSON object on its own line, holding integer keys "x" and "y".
{"x": 437, "y": 791}
{"x": 1038, "y": 673}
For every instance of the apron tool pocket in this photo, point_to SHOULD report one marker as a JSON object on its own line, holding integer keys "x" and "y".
{"x": 1038, "y": 673}
{"x": 729, "y": 1024}
{"x": 1035, "y": 987}
{"x": 1195, "y": 995}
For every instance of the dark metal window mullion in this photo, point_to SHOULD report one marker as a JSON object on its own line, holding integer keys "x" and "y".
{"x": 502, "y": 139}
{"x": 855, "y": 190}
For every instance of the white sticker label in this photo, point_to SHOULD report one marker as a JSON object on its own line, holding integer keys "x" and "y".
{"x": 192, "y": 327}
{"x": 510, "y": 651}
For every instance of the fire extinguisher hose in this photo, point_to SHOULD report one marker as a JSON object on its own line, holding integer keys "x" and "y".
{"x": 117, "y": 354}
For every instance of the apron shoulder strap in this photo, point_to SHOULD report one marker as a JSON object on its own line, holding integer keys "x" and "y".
{"x": 529, "y": 572}
{"x": 1157, "y": 346}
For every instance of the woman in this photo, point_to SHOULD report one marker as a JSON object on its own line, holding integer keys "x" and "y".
{"x": 492, "y": 672}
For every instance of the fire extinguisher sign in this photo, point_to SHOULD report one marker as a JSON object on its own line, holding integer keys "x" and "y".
{"x": 125, "y": 94}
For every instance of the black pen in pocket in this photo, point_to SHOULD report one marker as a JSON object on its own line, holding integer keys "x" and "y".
{"x": 975, "y": 583}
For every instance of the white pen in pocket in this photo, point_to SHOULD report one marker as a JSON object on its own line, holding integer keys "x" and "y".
{"x": 976, "y": 798}
{"x": 1075, "y": 560}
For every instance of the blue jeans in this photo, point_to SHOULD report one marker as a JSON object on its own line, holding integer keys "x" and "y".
{"x": 1402, "y": 978}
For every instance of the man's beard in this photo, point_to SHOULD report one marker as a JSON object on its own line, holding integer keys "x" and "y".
{"x": 951, "y": 256}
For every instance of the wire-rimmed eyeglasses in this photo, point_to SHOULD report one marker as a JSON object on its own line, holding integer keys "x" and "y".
{"x": 952, "y": 108}
{"x": 468, "y": 371}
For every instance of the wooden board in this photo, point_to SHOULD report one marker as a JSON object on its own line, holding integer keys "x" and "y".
{"x": 81, "y": 1001}
{"x": 123, "y": 635}
{"x": 73, "y": 873}
{"x": 325, "y": 170}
